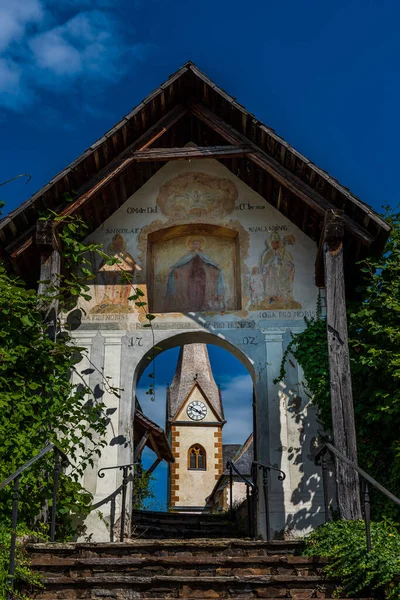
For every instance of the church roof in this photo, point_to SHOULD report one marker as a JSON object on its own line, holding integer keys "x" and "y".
{"x": 229, "y": 452}
{"x": 245, "y": 456}
{"x": 193, "y": 368}
{"x": 157, "y": 440}
{"x": 189, "y": 107}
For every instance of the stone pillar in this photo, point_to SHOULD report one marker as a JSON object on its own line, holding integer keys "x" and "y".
{"x": 279, "y": 492}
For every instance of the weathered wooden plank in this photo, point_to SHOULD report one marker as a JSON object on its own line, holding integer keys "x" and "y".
{"x": 165, "y": 154}
{"x": 154, "y": 466}
{"x": 343, "y": 423}
{"x": 298, "y": 187}
{"x": 141, "y": 445}
{"x": 50, "y": 270}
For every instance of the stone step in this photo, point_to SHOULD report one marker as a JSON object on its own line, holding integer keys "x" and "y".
{"x": 176, "y": 532}
{"x": 147, "y": 547}
{"x": 162, "y": 525}
{"x": 171, "y": 515}
{"x": 122, "y": 587}
{"x": 179, "y": 565}
{"x": 234, "y": 569}
{"x": 193, "y": 523}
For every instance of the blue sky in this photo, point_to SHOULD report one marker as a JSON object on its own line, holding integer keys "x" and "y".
{"x": 324, "y": 75}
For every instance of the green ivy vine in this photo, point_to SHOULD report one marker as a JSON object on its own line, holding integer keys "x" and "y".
{"x": 41, "y": 402}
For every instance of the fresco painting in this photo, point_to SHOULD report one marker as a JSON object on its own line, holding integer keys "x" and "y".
{"x": 114, "y": 282}
{"x": 198, "y": 268}
{"x": 271, "y": 283}
{"x": 197, "y": 195}
{"x": 194, "y": 274}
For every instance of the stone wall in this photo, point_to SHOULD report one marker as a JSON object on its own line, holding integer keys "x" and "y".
{"x": 255, "y": 283}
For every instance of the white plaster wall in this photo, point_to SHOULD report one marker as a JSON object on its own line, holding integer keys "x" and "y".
{"x": 258, "y": 338}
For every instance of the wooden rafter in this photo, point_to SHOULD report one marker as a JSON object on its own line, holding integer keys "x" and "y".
{"x": 300, "y": 189}
{"x": 153, "y": 466}
{"x": 140, "y": 447}
{"x": 115, "y": 168}
{"x": 123, "y": 161}
{"x": 189, "y": 152}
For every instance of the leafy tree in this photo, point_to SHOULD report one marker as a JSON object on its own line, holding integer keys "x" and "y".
{"x": 374, "y": 345}
{"x": 39, "y": 401}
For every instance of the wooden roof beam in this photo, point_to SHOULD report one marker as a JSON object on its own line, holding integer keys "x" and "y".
{"x": 300, "y": 189}
{"x": 189, "y": 152}
{"x": 112, "y": 170}
{"x": 122, "y": 162}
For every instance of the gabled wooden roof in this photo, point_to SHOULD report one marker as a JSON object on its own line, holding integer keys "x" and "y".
{"x": 190, "y": 107}
{"x": 157, "y": 440}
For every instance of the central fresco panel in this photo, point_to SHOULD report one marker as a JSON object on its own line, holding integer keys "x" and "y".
{"x": 194, "y": 273}
{"x": 196, "y": 239}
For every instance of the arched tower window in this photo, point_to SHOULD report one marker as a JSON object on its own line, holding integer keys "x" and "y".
{"x": 197, "y": 458}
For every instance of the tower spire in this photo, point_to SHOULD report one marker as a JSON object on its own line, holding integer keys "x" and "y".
{"x": 193, "y": 368}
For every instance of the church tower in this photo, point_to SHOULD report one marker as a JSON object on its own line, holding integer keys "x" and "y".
{"x": 195, "y": 419}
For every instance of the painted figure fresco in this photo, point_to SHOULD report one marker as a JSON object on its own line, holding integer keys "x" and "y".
{"x": 197, "y": 195}
{"x": 256, "y": 286}
{"x": 116, "y": 280}
{"x": 277, "y": 270}
{"x": 195, "y": 282}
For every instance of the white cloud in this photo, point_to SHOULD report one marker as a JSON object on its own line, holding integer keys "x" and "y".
{"x": 41, "y": 49}
{"x": 51, "y": 51}
{"x": 15, "y": 16}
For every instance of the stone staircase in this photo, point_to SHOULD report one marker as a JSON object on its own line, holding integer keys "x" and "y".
{"x": 158, "y": 569}
{"x": 170, "y": 525}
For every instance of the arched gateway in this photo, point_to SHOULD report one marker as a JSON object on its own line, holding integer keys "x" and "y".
{"x": 220, "y": 224}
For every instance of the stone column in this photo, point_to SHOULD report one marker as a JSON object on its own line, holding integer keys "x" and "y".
{"x": 279, "y": 492}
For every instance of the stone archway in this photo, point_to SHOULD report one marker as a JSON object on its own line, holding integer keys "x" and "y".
{"x": 172, "y": 339}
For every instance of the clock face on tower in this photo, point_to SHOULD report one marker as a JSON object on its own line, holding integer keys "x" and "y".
{"x": 196, "y": 410}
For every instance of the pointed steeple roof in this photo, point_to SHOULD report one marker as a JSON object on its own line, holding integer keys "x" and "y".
{"x": 193, "y": 368}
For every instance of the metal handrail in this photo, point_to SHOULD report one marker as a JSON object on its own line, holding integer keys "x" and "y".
{"x": 15, "y": 498}
{"x": 265, "y": 468}
{"x": 249, "y": 484}
{"x": 28, "y": 464}
{"x": 364, "y": 474}
{"x": 270, "y": 467}
{"x": 125, "y": 480}
{"x": 322, "y": 458}
{"x": 232, "y": 465}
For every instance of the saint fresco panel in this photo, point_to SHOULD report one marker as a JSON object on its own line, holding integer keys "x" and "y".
{"x": 271, "y": 282}
{"x": 194, "y": 274}
{"x": 114, "y": 282}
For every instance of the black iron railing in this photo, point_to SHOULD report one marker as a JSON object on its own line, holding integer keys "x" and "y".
{"x": 59, "y": 457}
{"x": 15, "y": 477}
{"x": 265, "y": 468}
{"x": 251, "y": 484}
{"x": 125, "y": 480}
{"x": 328, "y": 453}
